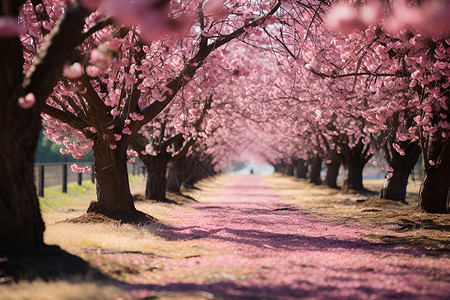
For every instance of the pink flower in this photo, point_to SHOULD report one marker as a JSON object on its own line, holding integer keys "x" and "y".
{"x": 398, "y": 149}
{"x": 39, "y": 8}
{"x": 91, "y": 4}
{"x": 126, "y": 130}
{"x": 215, "y": 10}
{"x": 343, "y": 17}
{"x": 389, "y": 175}
{"x": 27, "y": 101}
{"x": 9, "y": 27}
{"x": 372, "y": 13}
{"x": 93, "y": 71}
{"x": 77, "y": 169}
{"x": 64, "y": 151}
{"x": 112, "y": 146}
{"x": 73, "y": 71}
{"x": 432, "y": 163}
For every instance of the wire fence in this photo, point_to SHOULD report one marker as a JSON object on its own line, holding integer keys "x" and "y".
{"x": 54, "y": 174}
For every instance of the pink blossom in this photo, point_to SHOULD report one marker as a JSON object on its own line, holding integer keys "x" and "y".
{"x": 112, "y": 146}
{"x": 9, "y": 27}
{"x": 91, "y": 4}
{"x": 127, "y": 131}
{"x": 398, "y": 149}
{"x": 149, "y": 15}
{"x": 132, "y": 153}
{"x": 389, "y": 175}
{"x": 431, "y": 162}
{"x": 372, "y": 13}
{"x": 115, "y": 112}
{"x": 73, "y": 71}
{"x": 343, "y": 17}
{"x": 215, "y": 10}
{"x": 39, "y": 8}
{"x": 48, "y": 25}
{"x": 93, "y": 71}
{"x": 64, "y": 151}
{"x": 27, "y": 101}
{"x": 77, "y": 169}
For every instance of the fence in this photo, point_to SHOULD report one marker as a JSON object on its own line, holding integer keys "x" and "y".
{"x": 54, "y": 174}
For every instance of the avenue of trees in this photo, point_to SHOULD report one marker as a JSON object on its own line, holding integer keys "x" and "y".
{"x": 189, "y": 86}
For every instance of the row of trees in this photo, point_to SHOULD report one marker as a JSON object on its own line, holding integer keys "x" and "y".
{"x": 339, "y": 98}
{"x": 189, "y": 85}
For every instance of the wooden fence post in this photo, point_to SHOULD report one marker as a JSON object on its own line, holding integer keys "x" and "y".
{"x": 80, "y": 178}
{"x": 64, "y": 178}
{"x": 41, "y": 181}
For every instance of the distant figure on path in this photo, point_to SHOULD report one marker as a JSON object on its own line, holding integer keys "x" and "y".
{"x": 251, "y": 171}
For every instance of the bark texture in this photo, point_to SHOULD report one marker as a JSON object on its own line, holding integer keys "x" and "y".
{"x": 114, "y": 198}
{"x": 394, "y": 188}
{"x": 354, "y": 159}
{"x": 315, "y": 168}
{"x": 333, "y": 170}
{"x": 156, "y": 179}
{"x": 21, "y": 223}
{"x": 174, "y": 176}
{"x": 300, "y": 168}
{"x": 434, "y": 195}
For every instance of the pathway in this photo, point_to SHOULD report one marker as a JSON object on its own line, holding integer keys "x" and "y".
{"x": 256, "y": 247}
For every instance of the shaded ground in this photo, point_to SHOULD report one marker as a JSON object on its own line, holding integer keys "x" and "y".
{"x": 271, "y": 237}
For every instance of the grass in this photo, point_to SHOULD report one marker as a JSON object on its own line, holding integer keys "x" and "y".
{"x": 40, "y": 290}
{"x": 55, "y": 199}
{"x": 57, "y": 206}
{"x": 78, "y": 195}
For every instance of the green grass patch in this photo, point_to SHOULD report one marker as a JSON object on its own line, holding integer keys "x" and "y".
{"x": 55, "y": 199}
{"x": 77, "y": 195}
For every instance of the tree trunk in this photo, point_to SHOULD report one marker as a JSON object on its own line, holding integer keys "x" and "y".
{"x": 394, "y": 188}
{"x": 174, "y": 178}
{"x": 434, "y": 194}
{"x": 315, "y": 170}
{"x": 353, "y": 175}
{"x": 21, "y": 223}
{"x": 156, "y": 179}
{"x": 289, "y": 170}
{"x": 333, "y": 170}
{"x": 113, "y": 190}
{"x": 300, "y": 168}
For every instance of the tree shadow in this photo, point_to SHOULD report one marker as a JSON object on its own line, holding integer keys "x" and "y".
{"x": 261, "y": 236}
{"x": 226, "y": 289}
{"x": 47, "y": 263}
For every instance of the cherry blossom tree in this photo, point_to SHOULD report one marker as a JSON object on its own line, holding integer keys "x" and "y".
{"x": 161, "y": 143}
{"x": 25, "y": 85}
{"x": 120, "y": 81}
{"x": 412, "y": 50}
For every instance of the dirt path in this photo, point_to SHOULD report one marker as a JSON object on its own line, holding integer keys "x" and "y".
{"x": 253, "y": 246}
